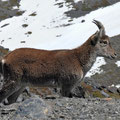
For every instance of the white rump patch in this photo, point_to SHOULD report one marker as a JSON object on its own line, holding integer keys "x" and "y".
{"x": 3, "y": 61}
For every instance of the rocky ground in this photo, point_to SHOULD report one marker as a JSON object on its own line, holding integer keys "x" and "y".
{"x": 100, "y": 100}
{"x": 84, "y": 109}
{"x": 36, "y": 108}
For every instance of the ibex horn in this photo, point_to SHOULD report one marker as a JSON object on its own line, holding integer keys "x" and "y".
{"x": 100, "y": 26}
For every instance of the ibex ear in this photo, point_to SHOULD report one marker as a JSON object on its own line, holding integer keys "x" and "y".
{"x": 95, "y": 38}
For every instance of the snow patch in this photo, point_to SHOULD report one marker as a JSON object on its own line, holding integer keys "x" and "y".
{"x": 96, "y": 67}
{"x": 76, "y": 1}
{"x": 40, "y": 26}
{"x": 44, "y": 27}
{"x": 4, "y": 0}
{"x": 118, "y": 86}
{"x": 118, "y": 63}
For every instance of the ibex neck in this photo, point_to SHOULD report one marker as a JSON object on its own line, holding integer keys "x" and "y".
{"x": 86, "y": 55}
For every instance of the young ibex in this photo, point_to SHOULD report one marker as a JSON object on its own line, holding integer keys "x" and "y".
{"x": 57, "y": 68}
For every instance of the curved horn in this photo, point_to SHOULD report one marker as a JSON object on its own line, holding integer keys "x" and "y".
{"x": 100, "y": 26}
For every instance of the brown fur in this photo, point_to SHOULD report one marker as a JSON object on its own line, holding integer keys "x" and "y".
{"x": 42, "y": 68}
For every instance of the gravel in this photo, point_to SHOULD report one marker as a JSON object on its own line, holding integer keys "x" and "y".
{"x": 64, "y": 108}
{"x": 84, "y": 109}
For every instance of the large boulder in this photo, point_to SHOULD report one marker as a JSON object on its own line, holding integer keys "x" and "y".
{"x": 33, "y": 108}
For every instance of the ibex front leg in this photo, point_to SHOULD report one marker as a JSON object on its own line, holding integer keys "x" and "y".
{"x": 8, "y": 90}
{"x": 13, "y": 98}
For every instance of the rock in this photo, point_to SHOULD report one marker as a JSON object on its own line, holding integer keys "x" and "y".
{"x": 45, "y": 92}
{"x": 78, "y": 92}
{"x": 104, "y": 94}
{"x": 112, "y": 89}
{"x": 33, "y": 108}
{"x": 84, "y": 109}
{"x": 118, "y": 90}
{"x": 6, "y": 109}
{"x": 82, "y": 21}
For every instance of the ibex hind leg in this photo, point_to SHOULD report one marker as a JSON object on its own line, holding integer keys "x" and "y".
{"x": 8, "y": 89}
{"x": 66, "y": 91}
{"x": 13, "y": 97}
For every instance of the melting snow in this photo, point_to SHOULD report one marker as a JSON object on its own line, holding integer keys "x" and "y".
{"x": 118, "y": 86}
{"x": 118, "y": 63}
{"x": 96, "y": 67}
{"x": 4, "y": 0}
{"x": 78, "y": 1}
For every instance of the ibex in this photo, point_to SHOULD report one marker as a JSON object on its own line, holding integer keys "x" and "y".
{"x": 57, "y": 68}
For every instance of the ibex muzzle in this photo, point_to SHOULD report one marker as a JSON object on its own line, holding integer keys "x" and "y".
{"x": 57, "y": 68}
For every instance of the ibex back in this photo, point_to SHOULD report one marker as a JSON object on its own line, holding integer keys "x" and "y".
{"x": 58, "y": 68}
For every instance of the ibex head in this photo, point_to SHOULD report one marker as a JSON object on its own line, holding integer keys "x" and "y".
{"x": 102, "y": 42}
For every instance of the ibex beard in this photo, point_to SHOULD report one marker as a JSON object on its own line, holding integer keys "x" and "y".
{"x": 57, "y": 68}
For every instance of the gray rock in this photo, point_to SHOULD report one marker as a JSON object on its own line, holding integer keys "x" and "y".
{"x": 78, "y": 92}
{"x": 112, "y": 89}
{"x": 84, "y": 109}
{"x": 104, "y": 93}
{"x": 118, "y": 90}
{"x": 32, "y": 109}
{"x": 6, "y": 109}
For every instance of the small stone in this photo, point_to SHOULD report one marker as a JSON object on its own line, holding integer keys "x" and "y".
{"x": 82, "y": 21}
{"x": 104, "y": 93}
{"x": 25, "y": 25}
{"x": 33, "y": 14}
{"x": 22, "y": 41}
{"x": 107, "y": 99}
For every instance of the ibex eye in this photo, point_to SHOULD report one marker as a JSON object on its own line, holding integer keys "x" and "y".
{"x": 105, "y": 42}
